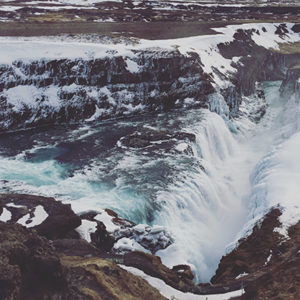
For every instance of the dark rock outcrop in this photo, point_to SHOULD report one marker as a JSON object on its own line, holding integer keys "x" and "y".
{"x": 151, "y": 238}
{"x": 153, "y": 266}
{"x": 59, "y": 222}
{"x": 160, "y": 141}
{"x": 146, "y": 137}
{"x": 252, "y": 253}
{"x": 257, "y": 64}
{"x": 266, "y": 261}
{"x": 30, "y": 268}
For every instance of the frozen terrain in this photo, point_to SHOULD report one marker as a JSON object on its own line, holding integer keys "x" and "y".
{"x": 199, "y": 173}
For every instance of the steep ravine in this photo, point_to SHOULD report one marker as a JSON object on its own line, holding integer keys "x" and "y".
{"x": 76, "y": 90}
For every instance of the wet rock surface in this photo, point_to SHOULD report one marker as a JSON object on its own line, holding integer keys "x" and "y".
{"x": 153, "y": 266}
{"x": 125, "y": 236}
{"x": 160, "y": 140}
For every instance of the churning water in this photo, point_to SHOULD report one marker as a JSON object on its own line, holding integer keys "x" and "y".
{"x": 203, "y": 198}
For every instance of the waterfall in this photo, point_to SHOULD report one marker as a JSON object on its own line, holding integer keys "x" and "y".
{"x": 207, "y": 209}
{"x": 237, "y": 170}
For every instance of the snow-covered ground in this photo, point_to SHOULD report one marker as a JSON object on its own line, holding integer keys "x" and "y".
{"x": 171, "y": 293}
{"x": 214, "y": 63}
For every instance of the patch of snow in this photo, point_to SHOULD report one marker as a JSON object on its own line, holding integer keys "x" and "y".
{"x": 125, "y": 244}
{"x": 39, "y": 216}
{"x": 14, "y": 205}
{"x": 57, "y": 8}
{"x": 106, "y": 219}
{"x": 188, "y": 101}
{"x": 181, "y": 147}
{"x": 6, "y": 215}
{"x": 269, "y": 258}
{"x": 30, "y": 95}
{"x": 171, "y": 293}
{"x": 86, "y": 228}
{"x": 132, "y": 66}
{"x": 98, "y": 113}
{"x": 9, "y": 8}
{"x": 236, "y": 59}
{"x": 110, "y": 20}
{"x": 241, "y": 275}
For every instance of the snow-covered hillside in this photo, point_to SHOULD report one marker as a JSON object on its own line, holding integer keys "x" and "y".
{"x": 46, "y": 81}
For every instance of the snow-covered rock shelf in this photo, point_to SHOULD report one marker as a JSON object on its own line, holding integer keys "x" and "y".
{"x": 46, "y": 82}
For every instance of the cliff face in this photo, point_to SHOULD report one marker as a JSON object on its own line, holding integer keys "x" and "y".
{"x": 265, "y": 263}
{"x": 291, "y": 84}
{"x": 42, "y": 90}
{"x": 256, "y": 64}
{"x": 60, "y": 91}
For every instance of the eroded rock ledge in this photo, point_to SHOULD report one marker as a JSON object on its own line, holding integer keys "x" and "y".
{"x": 150, "y": 79}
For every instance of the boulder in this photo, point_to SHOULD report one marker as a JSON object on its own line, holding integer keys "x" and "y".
{"x": 266, "y": 263}
{"x": 147, "y": 137}
{"x": 184, "y": 271}
{"x": 124, "y": 236}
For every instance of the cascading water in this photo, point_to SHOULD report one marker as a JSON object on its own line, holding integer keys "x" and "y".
{"x": 202, "y": 199}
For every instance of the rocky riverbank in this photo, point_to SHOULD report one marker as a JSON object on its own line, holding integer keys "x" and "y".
{"x": 47, "y": 257}
{"x": 43, "y": 255}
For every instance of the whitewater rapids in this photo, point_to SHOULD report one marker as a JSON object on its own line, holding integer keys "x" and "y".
{"x": 238, "y": 170}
